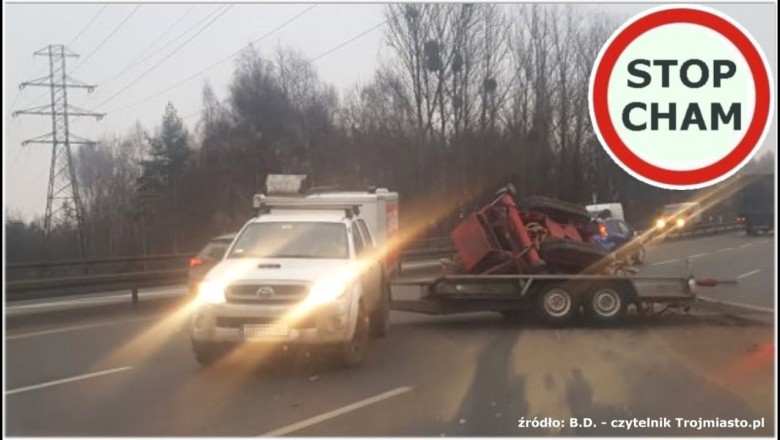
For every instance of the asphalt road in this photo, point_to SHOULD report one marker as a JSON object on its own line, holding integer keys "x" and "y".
{"x": 114, "y": 371}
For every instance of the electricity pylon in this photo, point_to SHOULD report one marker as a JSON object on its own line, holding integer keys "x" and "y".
{"x": 63, "y": 201}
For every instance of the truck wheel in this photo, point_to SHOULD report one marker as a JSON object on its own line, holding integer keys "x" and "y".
{"x": 557, "y": 304}
{"x": 557, "y": 209}
{"x": 606, "y": 304}
{"x": 380, "y": 319}
{"x": 208, "y": 353}
{"x": 353, "y": 352}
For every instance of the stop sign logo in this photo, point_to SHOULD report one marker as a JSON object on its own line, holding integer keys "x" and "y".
{"x": 681, "y": 97}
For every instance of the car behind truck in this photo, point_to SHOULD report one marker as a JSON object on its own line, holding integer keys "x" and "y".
{"x": 307, "y": 270}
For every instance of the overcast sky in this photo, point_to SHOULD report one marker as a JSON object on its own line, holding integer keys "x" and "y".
{"x": 116, "y": 38}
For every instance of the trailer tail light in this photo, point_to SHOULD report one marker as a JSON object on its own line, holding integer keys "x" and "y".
{"x": 195, "y": 262}
{"x": 706, "y": 282}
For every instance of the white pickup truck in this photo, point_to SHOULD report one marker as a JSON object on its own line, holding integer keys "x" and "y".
{"x": 306, "y": 270}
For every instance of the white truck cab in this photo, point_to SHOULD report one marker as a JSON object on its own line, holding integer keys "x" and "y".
{"x": 305, "y": 271}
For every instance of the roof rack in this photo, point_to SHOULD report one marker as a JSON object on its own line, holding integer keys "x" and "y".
{"x": 324, "y": 189}
{"x": 265, "y": 204}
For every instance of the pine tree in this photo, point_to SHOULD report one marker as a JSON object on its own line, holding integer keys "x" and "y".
{"x": 158, "y": 186}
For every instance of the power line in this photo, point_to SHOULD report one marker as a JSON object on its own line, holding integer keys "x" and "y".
{"x": 138, "y": 78}
{"x": 145, "y": 56}
{"x": 356, "y": 37}
{"x": 89, "y": 23}
{"x": 216, "y": 63}
{"x": 108, "y": 37}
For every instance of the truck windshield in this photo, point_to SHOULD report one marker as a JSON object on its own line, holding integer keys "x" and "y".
{"x": 292, "y": 240}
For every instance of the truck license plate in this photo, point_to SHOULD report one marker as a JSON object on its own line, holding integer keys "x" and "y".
{"x": 259, "y": 331}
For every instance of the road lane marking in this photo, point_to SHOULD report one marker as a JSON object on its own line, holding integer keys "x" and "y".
{"x": 751, "y": 307}
{"x": 698, "y": 255}
{"x": 335, "y": 413}
{"x": 67, "y": 380}
{"x": 745, "y": 245}
{"x": 725, "y": 249}
{"x": 75, "y": 327}
{"x": 748, "y": 274}
{"x": 666, "y": 262}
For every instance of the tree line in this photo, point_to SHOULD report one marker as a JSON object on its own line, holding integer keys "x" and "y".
{"x": 465, "y": 98}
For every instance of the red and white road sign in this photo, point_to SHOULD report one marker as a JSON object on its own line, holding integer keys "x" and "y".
{"x": 681, "y": 96}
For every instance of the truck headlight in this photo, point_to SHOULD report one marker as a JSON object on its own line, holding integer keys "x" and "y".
{"x": 210, "y": 292}
{"x": 680, "y": 223}
{"x": 326, "y": 290}
{"x": 660, "y": 223}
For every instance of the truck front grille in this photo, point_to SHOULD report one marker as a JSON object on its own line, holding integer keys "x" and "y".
{"x": 265, "y": 293}
{"x": 239, "y": 322}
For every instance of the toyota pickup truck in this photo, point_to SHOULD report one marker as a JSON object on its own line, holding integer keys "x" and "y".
{"x": 305, "y": 271}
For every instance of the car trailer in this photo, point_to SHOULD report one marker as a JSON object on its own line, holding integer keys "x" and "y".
{"x": 557, "y": 297}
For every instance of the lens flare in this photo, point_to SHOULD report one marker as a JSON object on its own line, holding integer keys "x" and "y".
{"x": 211, "y": 292}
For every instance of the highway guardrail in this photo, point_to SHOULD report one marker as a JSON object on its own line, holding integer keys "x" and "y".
{"x": 41, "y": 279}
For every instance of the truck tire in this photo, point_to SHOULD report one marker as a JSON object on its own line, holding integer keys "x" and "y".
{"x": 571, "y": 256}
{"x": 606, "y": 303}
{"x": 557, "y": 304}
{"x": 380, "y": 319}
{"x": 208, "y": 353}
{"x": 557, "y": 209}
{"x": 352, "y": 353}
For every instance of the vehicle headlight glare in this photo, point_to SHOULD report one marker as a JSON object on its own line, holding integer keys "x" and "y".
{"x": 660, "y": 223}
{"x": 210, "y": 292}
{"x": 680, "y": 223}
{"x": 326, "y": 290}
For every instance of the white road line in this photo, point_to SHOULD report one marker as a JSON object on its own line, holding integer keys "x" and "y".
{"x": 335, "y": 413}
{"x": 750, "y": 307}
{"x": 725, "y": 249}
{"x": 666, "y": 262}
{"x": 68, "y": 380}
{"x": 698, "y": 255}
{"x": 74, "y": 328}
{"x": 745, "y": 245}
{"x": 748, "y": 274}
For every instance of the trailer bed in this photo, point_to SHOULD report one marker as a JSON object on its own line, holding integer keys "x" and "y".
{"x": 450, "y": 294}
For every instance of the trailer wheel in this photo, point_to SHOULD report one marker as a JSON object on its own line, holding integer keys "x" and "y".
{"x": 557, "y": 304}
{"x": 606, "y": 304}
